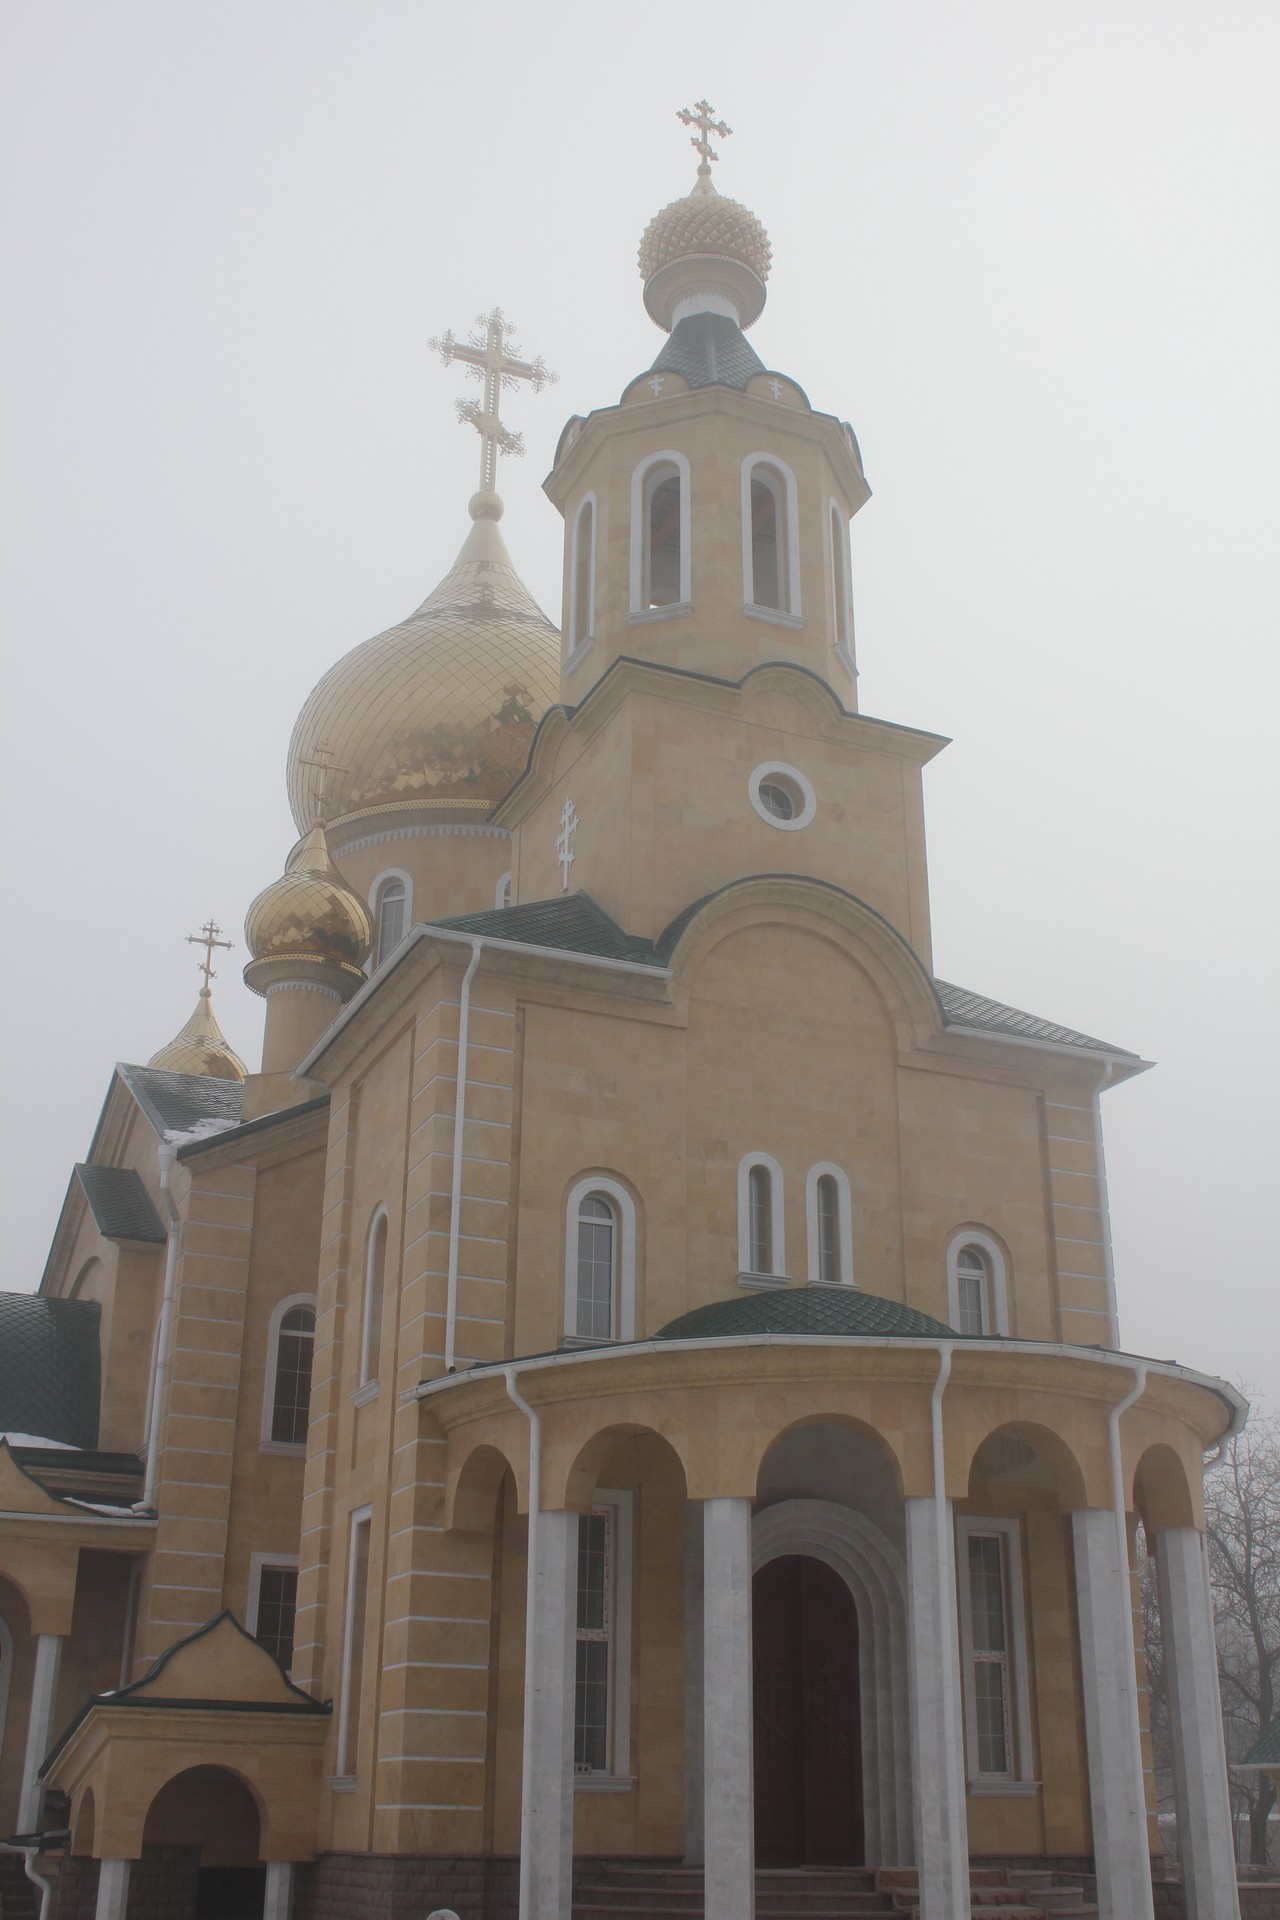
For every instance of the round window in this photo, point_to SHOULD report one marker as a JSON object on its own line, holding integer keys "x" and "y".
{"x": 782, "y": 796}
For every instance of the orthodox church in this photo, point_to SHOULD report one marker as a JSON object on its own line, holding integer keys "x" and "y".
{"x": 622, "y": 1412}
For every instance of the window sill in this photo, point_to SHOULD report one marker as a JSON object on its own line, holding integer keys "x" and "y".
{"x": 293, "y": 1449}
{"x": 363, "y": 1395}
{"x": 644, "y": 616}
{"x": 603, "y": 1782}
{"x": 1003, "y": 1789}
{"x": 579, "y": 653}
{"x": 577, "y": 1340}
{"x": 341, "y": 1783}
{"x": 763, "y": 1280}
{"x": 774, "y": 616}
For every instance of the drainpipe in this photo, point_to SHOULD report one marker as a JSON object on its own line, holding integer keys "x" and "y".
{"x": 166, "y": 1154}
{"x": 459, "y": 1125}
{"x": 1104, "y": 1205}
{"x": 946, "y": 1614}
{"x": 531, "y": 1590}
{"x": 1121, "y": 1407}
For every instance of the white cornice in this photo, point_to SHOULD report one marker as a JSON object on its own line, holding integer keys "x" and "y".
{"x": 480, "y": 831}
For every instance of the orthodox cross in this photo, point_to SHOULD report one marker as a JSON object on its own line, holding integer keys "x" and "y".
{"x": 322, "y": 759}
{"x": 564, "y": 849}
{"x": 702, "y": 116}
{"x": 208, "y": 939}
{"x": 491, "y": 356}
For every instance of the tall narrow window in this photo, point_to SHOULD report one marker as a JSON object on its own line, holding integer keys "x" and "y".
{"x": 760, "y": 1205}
{"x": 392, "y": 900}
{"x": 977, "y": 1284}
{"x": 661, "y": 587}
{"x": 291, "y": 1392}
{"x": 594, "y": 1634}
{"x": 597, "y": 1268}
{"x": 353, "y": 1639}
{"x": 828, "y": 1197}
{"x": 840, "y": 581}
{"x": 375, "y": 1276}
{"x": 993, "y": 1639}
{"x": 582, "y": 582}
{"x": 273, "y": 1605}
{"x": 971, "y": 1292}
{"x": 768, "y": 539}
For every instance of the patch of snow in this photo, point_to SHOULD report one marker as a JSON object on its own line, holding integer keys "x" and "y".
{"x": 202, "y": 1130}
{"x": 36, "y": 1440}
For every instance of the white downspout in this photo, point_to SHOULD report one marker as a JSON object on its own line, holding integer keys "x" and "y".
{"x": 166, "y": 1154}
{"x": 947, "y": 1623}
{"x": 531, "y": 1591}
{"x": 1104, "y": 1206}
{"x": 459, "y": 1126}
{"x": 1121, "y": 1407}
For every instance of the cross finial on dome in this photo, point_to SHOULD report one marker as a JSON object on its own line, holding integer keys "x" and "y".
{"x": 702, "y": 116}
{"x": 208, "y": 939}
{"x": 491, "y": 356}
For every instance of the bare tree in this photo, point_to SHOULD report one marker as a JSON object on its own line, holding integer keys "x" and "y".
{"x": 1242, "y": 1517}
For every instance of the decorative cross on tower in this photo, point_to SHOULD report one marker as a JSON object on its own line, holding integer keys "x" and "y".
{"x": 491, "y": 356}
{"x": 702, "y": 116}
{"x": 564, "y": 847}
{"x": 208, "y": 939}
{"x": 322, "y": 759}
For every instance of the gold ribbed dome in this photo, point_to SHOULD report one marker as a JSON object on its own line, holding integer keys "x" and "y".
{"x": 432, "y": 720}
{"x": 201, "y": 1047}
{"x": 308, "y": 916}
{"x": 704, "y": 222}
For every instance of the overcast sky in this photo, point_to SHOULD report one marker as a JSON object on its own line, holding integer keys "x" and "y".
{"x": 1029, "y": 250}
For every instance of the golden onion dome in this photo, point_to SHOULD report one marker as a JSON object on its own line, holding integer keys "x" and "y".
{"x": 432, "y": 720}
{"x": 201, "y": 1047}
{"x": 308, "y": 922}
{"x": 704, "y": 244}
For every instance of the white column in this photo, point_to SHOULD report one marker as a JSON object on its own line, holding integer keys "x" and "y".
{"x": 277, "y": 1903}
{"x": 44, "y": 1687}
{"x": 694, "y": 1849}
{"x": 1205, "y": 1842}
{"x": 546, "y": 1813}
{"x": 937, "y": 1736}
{"x": 1104, "y": 1603}
{"x": 728, "y": 1803}
{"x": 113, "y": 1889}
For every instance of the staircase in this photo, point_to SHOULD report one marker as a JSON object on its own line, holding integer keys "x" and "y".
{"x": 631, "y": 1891}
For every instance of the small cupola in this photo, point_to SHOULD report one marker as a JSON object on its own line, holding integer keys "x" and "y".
{"x": 704, "y": 254}
{"x": 201, "y": 1047}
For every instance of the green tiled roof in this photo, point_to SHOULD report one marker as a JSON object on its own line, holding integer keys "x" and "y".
{"x": 572, "y": 924}
{"x": 50, "y": 1368}
{"x": 120, "y": 1203}
{"x": 710, "y": 350}
{"x": 174, "y": 1102}
{"x": 811, "y": 1310}
{"x": 965, "y": 1009}
{"x": 1266, "y": 1751}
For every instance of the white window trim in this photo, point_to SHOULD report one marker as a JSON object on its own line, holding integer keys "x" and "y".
{"x": 6, "y": 1675}
{"x": 777, "y": 1224}
{"x": 356, "y": 1518}
{"x": 296, "y": 1447}
{"x": 975, "y": 1237}
{"x": 790, "y": 609}
{"x": 366, "y": 1305}
{"x": 581, "y": 644}
{"x": 639, "y": 534}
{"x": 844, "y": 1216}
{"x": 499, "y": 892}
{"x": 618, "y": 1779}
{"x": 375, "y": 912}
{"x": 766, "y": 770}
{"x": 1020, "y": 1778}
{"x": 844, "y": 654}
{"x": 257, "y": 1561}
{"x": 624, "y": 1254}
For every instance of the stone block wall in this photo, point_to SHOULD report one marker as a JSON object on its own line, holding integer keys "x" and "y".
{"x": 406, "y": 1887}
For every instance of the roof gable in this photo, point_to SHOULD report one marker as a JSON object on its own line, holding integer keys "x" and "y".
{"x": 177, "y": 1102}
{"x": 120, "y": 1203}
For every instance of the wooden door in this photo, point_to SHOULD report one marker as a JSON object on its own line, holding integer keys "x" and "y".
{"x": 808, "y": 1736}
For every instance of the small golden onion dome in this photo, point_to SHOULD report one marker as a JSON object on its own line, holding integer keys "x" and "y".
{"x": 433, "y": 720}
{"x": 704, "y": 244}
{"x": 201, "y": 1047}
{"x": 308, "y": 924}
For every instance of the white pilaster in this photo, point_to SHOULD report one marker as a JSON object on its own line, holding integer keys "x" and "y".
{"x": 1120, "y": 1846}
{"x": 937, "y": 1736}
{"x": 546, "y": 1814}
{"x": 44, "y": 1688}
{"x": 694, "y": 1848}
{"x": 1205, "y": 1847}
{"x": 113, "y": 1889}
{"x": 728, "y": 1786}
{"x": 277, "y": 1903}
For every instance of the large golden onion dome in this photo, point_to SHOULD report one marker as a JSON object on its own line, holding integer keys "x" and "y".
{"x": 308, "y": 924}
{"x": 201, "y": 1047}
{"x": 433, "y": 720}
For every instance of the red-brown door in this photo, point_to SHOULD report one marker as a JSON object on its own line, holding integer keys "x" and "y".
{"x": 808, "y": 1738}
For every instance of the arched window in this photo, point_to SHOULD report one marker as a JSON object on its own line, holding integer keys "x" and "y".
{"x": 582, "y": 577}
{"x": 761, "y": 1231}
{"x": 390, "y": 915}
{"x": 977, "y": 1298}
{"x": 375, "y": 1268}
{"x": 770, "y": 538}
{"x": 502, "y": 892}
{"x": 600, "y": 1261}
{"x": 841, "y": 604}
{"x": 828, "y": 1217}
{"x": 662, "y": 537}
{"x": 290, "y": 1350}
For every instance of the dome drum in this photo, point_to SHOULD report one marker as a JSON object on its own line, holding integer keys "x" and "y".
{"x": 304, "y": 970}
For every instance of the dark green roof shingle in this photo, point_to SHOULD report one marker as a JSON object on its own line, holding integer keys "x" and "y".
{"x": 809, "y": 1310}
{"x": 120, "y": 1203}
{"x": 1266, "y": 1750}
{"x": 572, "y": 924}
{"x": 50, "y": 1368}
{"x": 710, "y": 350}
{"x": 965, "y": 1009}
{"x": 175, "y": 1102}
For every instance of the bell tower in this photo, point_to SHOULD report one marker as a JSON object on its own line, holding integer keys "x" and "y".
{"x": 707, "y": 514}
